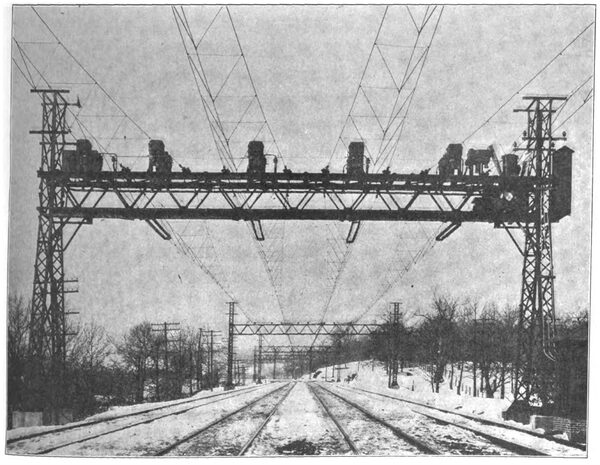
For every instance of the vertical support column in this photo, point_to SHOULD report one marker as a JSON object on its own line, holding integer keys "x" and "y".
{"x": 46, "y": 377}
{"x": 167, "y": 376}
{"x": 260, "y": 345}
{"x": 199, "y": 384}
{"x": 536, "y": 351}
{"x": 229, "y": 383}
{"x": 211, "y": 363}
{"x": 157, "y": 372}
{"x": 254, "y": 366}
{"x": 191, "y": 371}
{"x": 274, "y": 363}
{"x": 395, "y": 333}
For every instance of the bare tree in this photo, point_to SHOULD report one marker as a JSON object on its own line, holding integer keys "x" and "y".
{"x": 18, "y": 337}
{"x": 137, "y": 350}
{"x": 438, "y": 337}
{"x": 88, "y": 353}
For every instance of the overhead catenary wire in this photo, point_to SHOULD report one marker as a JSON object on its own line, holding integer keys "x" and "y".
{"x": 89, "y": 74}
{"x": 184, "y": 247}
{"x": 529, "y": 81}
{"x": 421, "y": 253}
{"x": 221, "y": 139}
{"x": 360, "y": 81}
{"x": 422, "y": 59}
{"x": 395, "y": 112}
{"x": 237, "y": 38}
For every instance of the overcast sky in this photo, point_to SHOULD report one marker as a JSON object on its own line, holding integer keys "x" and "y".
{"x": 306, "y": 63}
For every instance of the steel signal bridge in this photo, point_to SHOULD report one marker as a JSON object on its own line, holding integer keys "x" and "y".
{"x": 530, "y": 201}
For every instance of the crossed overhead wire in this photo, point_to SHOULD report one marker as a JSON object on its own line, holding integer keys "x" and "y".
{"x": 529, "y": 81}
{"x": 89, "y": 74}
{"x": 179, "y": 242}
{"x": 220, "y": 137}
{"x": 396, "y": 113}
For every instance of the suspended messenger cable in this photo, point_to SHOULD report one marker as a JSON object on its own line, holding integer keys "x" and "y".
{"x": 558, "y": 55}
{"x": 182, "y": 242}
{"x": 89, "y": 75}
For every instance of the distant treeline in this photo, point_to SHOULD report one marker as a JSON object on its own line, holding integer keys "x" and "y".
{"x": 451, "y": 340}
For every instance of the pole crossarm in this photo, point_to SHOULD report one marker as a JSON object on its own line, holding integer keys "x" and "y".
{"x": 305, "y": 329}
{"x": 295, "y": 196}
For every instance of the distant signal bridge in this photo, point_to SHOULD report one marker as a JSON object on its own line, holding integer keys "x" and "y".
{"x": 305, "y": 329}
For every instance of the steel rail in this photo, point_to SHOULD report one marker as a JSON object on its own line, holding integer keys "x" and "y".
{"x": 246, "y": 446}
{"x": 519, "y": 449}
{"x": 199, "y": 431}
{"x": 340, "y": 428}
{"x": 483, "y": 421}
{"x": 132, "y": 425}
{"x": 397, "y": 431}
{"x": 118, "y": 417}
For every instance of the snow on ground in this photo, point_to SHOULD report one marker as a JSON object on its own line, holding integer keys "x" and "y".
{"x": 299, "y": 426}
{"x": 414, "y": 385}
{"x": 230, "y": 436}
{"x": 449, "y": 438}
{"x": 113, "y": 412}
{"x": 369, "y": 437}
{"x": 143, "y": 438}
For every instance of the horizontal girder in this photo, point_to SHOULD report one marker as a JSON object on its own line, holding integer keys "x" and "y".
{"x": 294, "y": 196}
{"x": 305, "y": 329}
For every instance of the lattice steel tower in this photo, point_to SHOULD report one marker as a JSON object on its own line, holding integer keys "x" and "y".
{"x": 536, "y": 351}
{"x": 47, "y": 325}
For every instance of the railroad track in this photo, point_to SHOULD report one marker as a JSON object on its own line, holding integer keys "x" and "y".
{"x": 410, "y": 439}
{"x": 195, "y": 435}
{"x": 78, "y": 428}
{"x": 482, "y": 421}
{"x": 516, "y": 447}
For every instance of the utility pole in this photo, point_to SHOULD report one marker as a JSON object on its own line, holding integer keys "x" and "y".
{"x": 157, "y": 371}
{"x": 474, "y": 351}
{"x": 166, "y": 330}
{"x": 395, "y": 332}
{"x": 190, "y": 351}
{"x": 199, "y": 367}
{"x": 274, "y": 362}
{"x": 337, "y": 359}
{"x": 212, "y": 360}
{"x": 230, "y": 352}
{"x": 260, "y": 345}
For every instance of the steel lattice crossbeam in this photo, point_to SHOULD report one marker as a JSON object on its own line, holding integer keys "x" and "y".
{"x": 285, "y": 196}
{"x": 305, "y": 329}
{"x": 296, "y": 349}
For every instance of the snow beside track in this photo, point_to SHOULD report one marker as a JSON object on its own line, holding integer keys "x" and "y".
{"x": 299, "y": 420}
{"x": 414, "y": 385}
{"x": 113, "y": 412}
{"x": 146, "y": 438}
